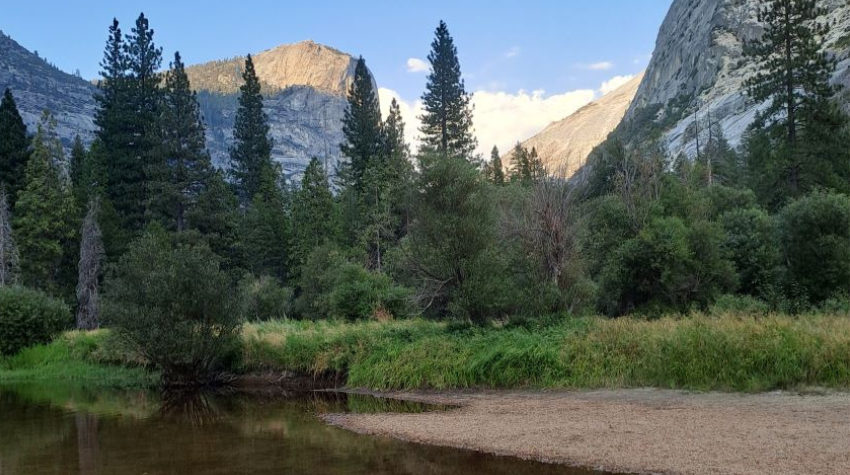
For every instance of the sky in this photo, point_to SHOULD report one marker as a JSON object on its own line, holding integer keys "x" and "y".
{"x": 527, "y": 63}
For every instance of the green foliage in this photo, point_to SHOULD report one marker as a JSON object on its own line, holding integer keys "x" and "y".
{"x": 361, "y": 125}
{"x": 447, "y": 117}
{"x": 667, "y": 266}
{"x": 312, "y": 213}
{"x": 44, "y": 222}
{"x": 494, "y": 171}
{"x": 14, "y": 146}
{"x": 527, "y": 166}
{"x": 739, "y": 306}
{"x": 181, "y": 170}
{"x": 175, "y": 305}
{"x": 336, "y": 288}
{"x": 720, "y": 353}
{"x": 29, "y": 317}
{"x": 814, "y": 233}
{"x": 250, "y": 155}
{"x": 127, "y": 115}
{"x": 265, "y": 299}
{"x": 751, "y": 244}
{"x": 454, "y": 224}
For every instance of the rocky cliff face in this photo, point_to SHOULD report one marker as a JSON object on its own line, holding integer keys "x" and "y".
{"x": 565, "y": 145}
{"x": 304, "y": 85}
{"x": 38, "y": 85}
{"x": 698, "y": 67}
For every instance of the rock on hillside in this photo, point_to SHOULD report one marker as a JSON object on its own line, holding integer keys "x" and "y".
{"x": 698, "y": 67}
{"x": 304, "y": 85}
{"x": 565, "y": 145}
{"x": 37, "y": 85}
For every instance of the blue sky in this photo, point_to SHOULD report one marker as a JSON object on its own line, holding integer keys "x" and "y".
{"x": 553, "y": 46}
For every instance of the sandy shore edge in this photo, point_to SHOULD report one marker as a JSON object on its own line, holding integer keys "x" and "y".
{"x": 632, "y": 431}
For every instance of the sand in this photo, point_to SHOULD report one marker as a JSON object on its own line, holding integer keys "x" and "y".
{"x": 634, "y": 431}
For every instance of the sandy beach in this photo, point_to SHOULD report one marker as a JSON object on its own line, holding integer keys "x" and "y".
{"x": 634, "y": 431}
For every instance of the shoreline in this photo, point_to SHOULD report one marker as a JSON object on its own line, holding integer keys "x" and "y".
{"x": 632, "y": 430}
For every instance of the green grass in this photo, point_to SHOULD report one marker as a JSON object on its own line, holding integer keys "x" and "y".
{"x": 702, "y": 353}
{"x": 86, "y": 358}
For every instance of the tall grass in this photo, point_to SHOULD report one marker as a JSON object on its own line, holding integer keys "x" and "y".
{"x": 89, "y": 358}
{"x": 700, "y": 352}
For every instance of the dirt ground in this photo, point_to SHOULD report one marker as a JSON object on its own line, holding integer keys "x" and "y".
{"x": 634, "y": 431}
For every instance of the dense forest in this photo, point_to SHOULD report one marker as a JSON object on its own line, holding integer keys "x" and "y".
{"x": 141, "y": 233}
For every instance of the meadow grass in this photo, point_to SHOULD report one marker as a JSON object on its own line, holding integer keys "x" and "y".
{"x": 78, "y": 357}
{"x": 731, "y": 353}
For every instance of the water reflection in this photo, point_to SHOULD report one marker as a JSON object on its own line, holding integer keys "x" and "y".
{"x": 73, "y": 430}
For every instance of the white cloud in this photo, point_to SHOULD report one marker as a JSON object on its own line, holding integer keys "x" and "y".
{"x": 614, "y": 83}
{"x": 499, "y": 118}
{"x": 600, "y": 66}
{"x": 513, "y": 52}
{"x": 416, "y": 65}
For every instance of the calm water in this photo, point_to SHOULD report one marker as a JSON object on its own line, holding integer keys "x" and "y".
{"x": 71, "y": 430}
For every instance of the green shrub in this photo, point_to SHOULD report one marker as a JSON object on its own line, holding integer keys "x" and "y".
{"x": 265, "y": 299}
{"x": 815, "y": 237}
{"x": 333, "y": 287}
{"x": 29, "y": 317}
{"x": 176, "y": 307}
{"x": 669, "y": 266}
{"x": 750, "y": 242}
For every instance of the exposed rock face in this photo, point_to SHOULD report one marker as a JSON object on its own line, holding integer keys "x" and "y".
{"x": 305, "y": 87}
{"x": 38, "y": 85}
{"x": 564, "y": 146}
{"x": 698, "y": 67}
{"x": 304, "y": 84}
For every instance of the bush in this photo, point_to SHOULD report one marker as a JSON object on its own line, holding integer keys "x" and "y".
{"x": 668, "y": 267}
{"x": 29, "y": 317}
{"x": 333, "y": 287}
{"x": 175, "y": 306}
{"x": 265, "y": 299}
{"x": 750, "y": 242}
{"x": 815, "y": 238}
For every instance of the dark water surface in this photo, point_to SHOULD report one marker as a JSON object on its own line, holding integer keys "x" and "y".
{"x": 72, "y": 430}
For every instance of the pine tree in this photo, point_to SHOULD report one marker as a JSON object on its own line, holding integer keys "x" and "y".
{"x": 14, "y": 146}
{"x": 312, "y": 212}
{"x": 264, "y": 231}
{"x": 89, "y": 269}
{"x": 361, "y": 125}
{"x": 10, "y": 264}
{"x": 45, "y": 212}
{"x": 527, "y": 166}
{"x": 251, "y": 152}
{"x": 794, "y": 73}
{"x": 447, "y": 120}
{"x": 128, "y": 110}
{"x": 494, "y": 171}
{"x": 215, "y": 216}
{"x": 183, "y": 169}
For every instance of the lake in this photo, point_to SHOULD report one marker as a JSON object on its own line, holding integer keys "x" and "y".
{"x": 65, "y": 429}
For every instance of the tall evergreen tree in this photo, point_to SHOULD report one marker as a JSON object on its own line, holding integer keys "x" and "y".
{"x": 264, "y": 231}
{"x": 495, "y": 172}
{"x": 10, "y": 264}
{"x": 361, "y": 125}
{"x": 251, "y": 153}
{"x": 312, "y": 212}
{"x": 128, "y": 111}
{"x": 527, "y": 166}
{"x": 89, "y": 269}
{"x": 44, "y": 219}
{"x": 215, "y": 216}
{"x": 794, "y": 78}
{"x": 447, "y": 120}
{"x": 183, "y": 169}
{"x": 14, "y": 146}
